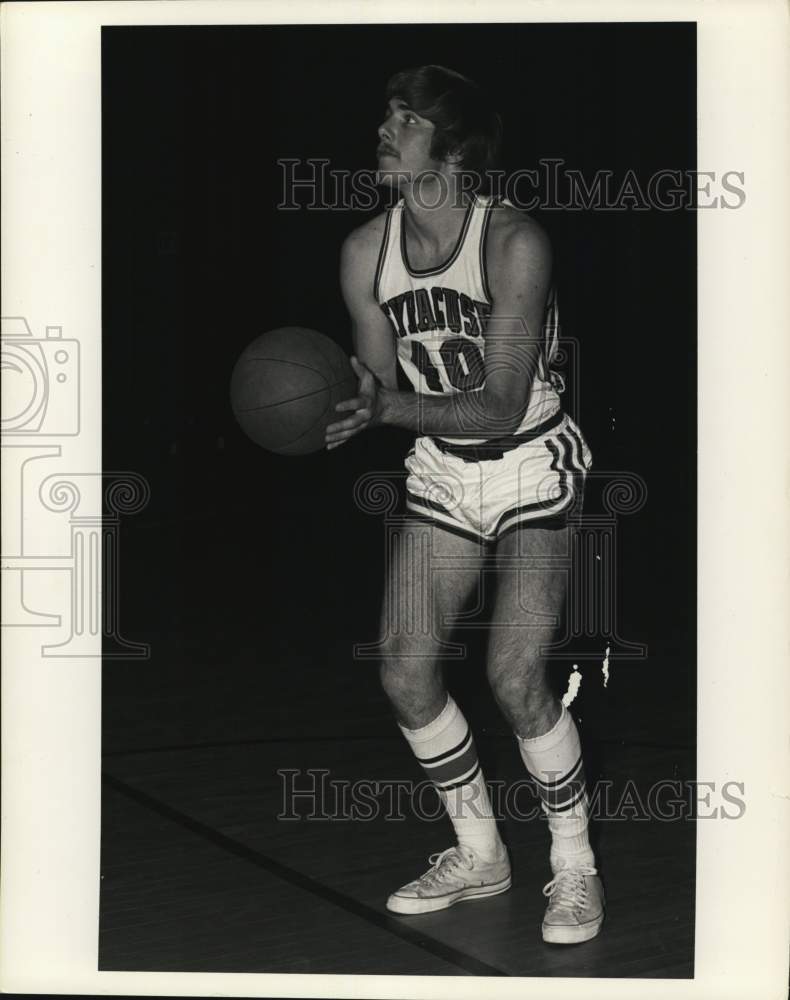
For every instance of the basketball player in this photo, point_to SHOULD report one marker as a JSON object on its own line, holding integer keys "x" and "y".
{"x": 457, "y": 289}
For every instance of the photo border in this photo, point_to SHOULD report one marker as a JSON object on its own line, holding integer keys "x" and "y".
{"x": 51, "y": 210}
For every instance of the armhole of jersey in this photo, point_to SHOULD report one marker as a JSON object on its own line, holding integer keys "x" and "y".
{"x": 382, "y": 255}
{"x": 551, "y": 332}
{"x": 553, "y": 317}
{"x": 483, "y": 254}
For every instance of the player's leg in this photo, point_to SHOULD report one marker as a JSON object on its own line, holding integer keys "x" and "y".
{"x": 531, "y": 589}
{"x": 431, "y": 574}
{"x": 532, "y": 571}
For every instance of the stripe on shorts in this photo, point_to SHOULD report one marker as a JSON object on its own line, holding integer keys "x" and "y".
{"x": 564, "y": 465}
{"x": 439, "y": 516}
{"x": 579, "y": 462}
{"x": 577, "y": 468}
{"x": 549, "y": 523}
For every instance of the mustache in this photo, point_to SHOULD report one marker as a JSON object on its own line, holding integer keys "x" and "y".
{"x": 385, "y": 148}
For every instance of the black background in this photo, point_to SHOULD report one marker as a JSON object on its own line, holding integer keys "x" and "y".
{"x": 251, "y": 575}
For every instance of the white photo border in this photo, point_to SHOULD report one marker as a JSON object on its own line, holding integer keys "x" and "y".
{"x": 51, "y": 162}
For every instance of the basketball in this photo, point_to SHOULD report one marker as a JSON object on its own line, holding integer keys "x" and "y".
{"x": 284, "y": 388}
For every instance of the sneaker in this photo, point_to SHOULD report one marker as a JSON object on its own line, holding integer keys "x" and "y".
{"x": 576, "y": 904}
{"x": 456, "y": 874}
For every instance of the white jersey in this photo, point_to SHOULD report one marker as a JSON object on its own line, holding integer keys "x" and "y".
{"x": 439, "y": 315}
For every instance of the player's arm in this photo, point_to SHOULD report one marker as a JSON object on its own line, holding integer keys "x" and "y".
{"x": 519, "y": 257}
{"x": 372, "y": 334}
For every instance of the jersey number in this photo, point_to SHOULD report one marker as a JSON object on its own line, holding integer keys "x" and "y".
{"x": 462, "y": 362}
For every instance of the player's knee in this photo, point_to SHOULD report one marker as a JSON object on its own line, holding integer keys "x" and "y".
{"x": 403, "y": 652}
{"x": 396, "y": 678}
{"x": 521, "y": 690}
{"x": 517, "y": 677}
{"x": 390, "y": 678}
{"x": 406, "y": 682}
{"x": 395, "y": 659}
{"x": 509, "y": 687}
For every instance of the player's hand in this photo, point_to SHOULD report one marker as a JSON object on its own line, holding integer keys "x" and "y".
{"x": 364, "y": 407}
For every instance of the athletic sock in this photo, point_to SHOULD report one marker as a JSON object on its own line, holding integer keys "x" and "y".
{"x": 447, "y": 753}
{"x": 555, "y": 762}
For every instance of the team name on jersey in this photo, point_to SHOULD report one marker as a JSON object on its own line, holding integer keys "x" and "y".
{"x": 421, "y": 310}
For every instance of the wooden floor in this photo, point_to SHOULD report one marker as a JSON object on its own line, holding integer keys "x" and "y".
{"x": 199, "y": 874}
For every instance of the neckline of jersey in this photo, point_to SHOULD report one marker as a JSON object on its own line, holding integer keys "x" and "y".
{"x": 427, "y": 272}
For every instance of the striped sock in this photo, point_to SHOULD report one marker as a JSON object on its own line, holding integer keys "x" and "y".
{"x": 447, "y": 753}
{"x": 555, "y": 762}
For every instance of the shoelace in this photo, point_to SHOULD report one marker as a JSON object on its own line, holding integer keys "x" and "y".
{"x": 568, "y": 889}
{"x": 444, "y": 862}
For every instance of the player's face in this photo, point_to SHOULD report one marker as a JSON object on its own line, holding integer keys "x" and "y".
{"x": 404, "y": 144}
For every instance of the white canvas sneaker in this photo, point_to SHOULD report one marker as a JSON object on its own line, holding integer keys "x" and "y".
{"x": 456, "y": 874}
{"x": 576, "y": 905}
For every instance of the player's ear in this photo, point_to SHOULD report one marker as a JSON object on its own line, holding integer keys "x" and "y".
{"x": 454, "y": 157}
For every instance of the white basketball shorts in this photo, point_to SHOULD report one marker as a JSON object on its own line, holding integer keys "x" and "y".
{"x": 482, "y": 492}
